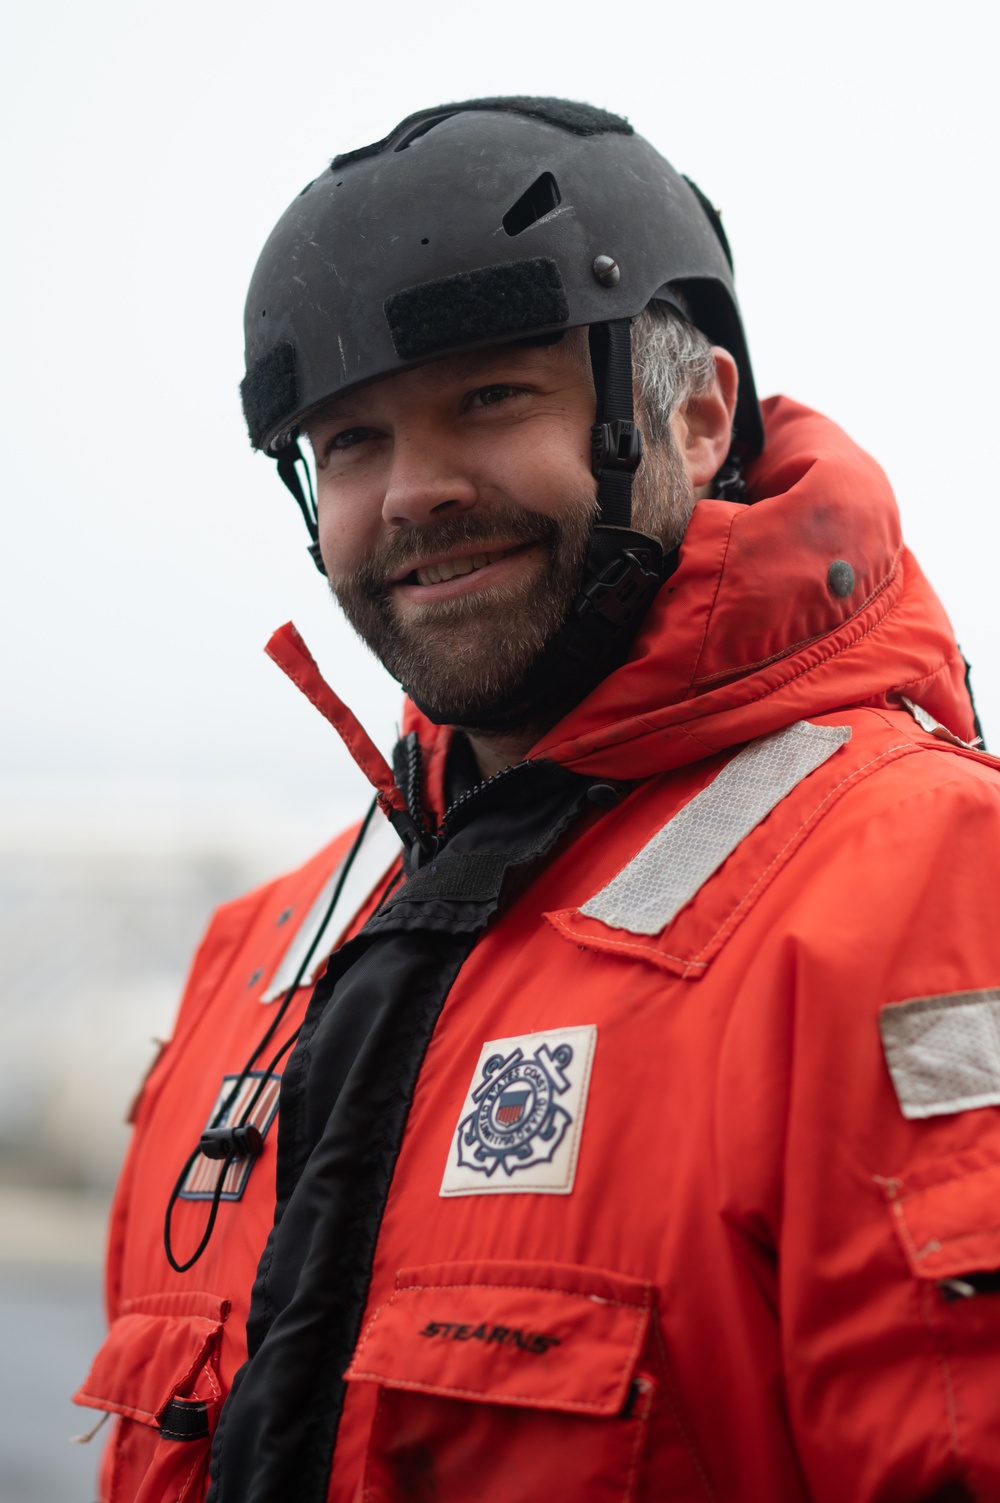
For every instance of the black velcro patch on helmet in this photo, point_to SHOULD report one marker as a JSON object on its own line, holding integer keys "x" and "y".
{"x": 270, "y": 391}
{"x": 473, "y": 306}
{"x": 569, "y": 114}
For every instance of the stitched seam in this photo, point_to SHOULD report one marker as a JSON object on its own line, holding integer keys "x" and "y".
{"x": 186, "y": 1484}
{"x": 574, "y": 1147}
{"x": 631, "y": 945}
{"x": 776, "y": 657}
{"x": 942, "y": 1242}
{"x": 379, "y": 1406}
{"x": 642, "y": 1423}
{"x": 215, "y": 1387}
{"x": 531, "y": 1400}
{"x": 633, "y": 1356}
{"x": 715, "y": 600}
{"x": 93, "y": 1402}
{"x": 712, "y": 712}
{"x": 119, "y": 1464}
{"x": 675, "y": 1413}
{"x": 904, "y": 1232}
{"x": 893, "y": 751}
{"x": 521, "y": 1288}
{"x": 904, "y": 748}
{"x": 676, "y": 815}
{"x": 952, "y": 1178}
{"x": 581, "y": 1406}
{"x": 925, "y": 678}
{"x": 951, "y": 1409}
{"x": 811, "y": 667}
{"x": 622, "y": 1304}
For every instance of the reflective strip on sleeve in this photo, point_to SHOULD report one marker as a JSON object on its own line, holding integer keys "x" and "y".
{"x": 943, "y": 1053}
{"x": 680, "y": 858}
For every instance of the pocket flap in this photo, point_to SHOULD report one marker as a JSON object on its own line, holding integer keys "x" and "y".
{"x": 539, "y": 1335}
{"x": 948, "y": 1218}
{"x": 158, "y": 1348}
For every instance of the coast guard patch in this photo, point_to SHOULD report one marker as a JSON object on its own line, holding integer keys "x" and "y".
{"x": 520, "y": 1124}
{"x": 203, "y": 1176}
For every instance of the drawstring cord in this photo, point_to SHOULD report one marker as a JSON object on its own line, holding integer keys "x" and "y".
{"x": 243, "y": 1136}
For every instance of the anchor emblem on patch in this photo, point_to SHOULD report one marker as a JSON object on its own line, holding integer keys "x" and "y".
{"x": 519, "y": 1125}
{"x": 517, "y": 1120}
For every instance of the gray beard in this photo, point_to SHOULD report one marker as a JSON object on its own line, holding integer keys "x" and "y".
{"x": 464, "y": 659}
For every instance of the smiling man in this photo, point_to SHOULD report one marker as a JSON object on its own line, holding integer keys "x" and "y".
{"x": 455, "y": 506}
{"x": 612, "y": 1113}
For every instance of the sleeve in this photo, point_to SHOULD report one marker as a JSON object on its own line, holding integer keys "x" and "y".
{"x": 889, "y": 1243}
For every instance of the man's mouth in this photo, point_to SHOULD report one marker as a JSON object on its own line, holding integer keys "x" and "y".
{"x": 450, "y": 568}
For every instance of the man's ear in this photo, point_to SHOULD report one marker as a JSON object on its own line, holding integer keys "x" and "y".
{"x": 703, "y": 424}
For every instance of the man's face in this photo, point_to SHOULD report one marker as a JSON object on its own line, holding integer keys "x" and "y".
{"x": 455, "y": 503}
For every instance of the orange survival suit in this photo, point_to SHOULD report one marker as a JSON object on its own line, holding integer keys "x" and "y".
{"x": 685, "y": 1121}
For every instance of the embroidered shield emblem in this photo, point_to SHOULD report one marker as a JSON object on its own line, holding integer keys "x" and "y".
{"x": 511, "y": 1107}
{"x": 520, "y": 1128}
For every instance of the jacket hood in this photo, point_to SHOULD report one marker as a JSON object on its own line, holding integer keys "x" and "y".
{"x": 748, "y": 636}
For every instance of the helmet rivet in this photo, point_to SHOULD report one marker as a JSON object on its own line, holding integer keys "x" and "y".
{"x": 840, "y": 578}
{"x": 607, "y": 271}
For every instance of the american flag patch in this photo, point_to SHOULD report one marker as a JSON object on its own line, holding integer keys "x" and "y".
{"x": 202, "y": 1178}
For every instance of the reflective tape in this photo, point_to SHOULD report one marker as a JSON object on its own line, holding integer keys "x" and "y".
{"x": 378, "y": 852}
{"x": 680, "y": 858}
{"x": 943, "y": 1052}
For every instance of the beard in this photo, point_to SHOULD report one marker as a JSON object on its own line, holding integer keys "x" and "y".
{"x": 460, "y": 659}
{"x": 463, "y": 661}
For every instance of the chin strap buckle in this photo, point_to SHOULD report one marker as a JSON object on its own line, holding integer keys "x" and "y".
{"x": 620, "y": 592}
{"x": 615, "y": 447}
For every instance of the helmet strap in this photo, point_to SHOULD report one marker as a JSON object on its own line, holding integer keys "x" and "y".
{"x": 622, "y": 571}
{"x": 289, "y": 457}
{"x": 615, "y": 439}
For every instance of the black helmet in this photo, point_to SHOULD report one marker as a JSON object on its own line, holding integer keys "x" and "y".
{"x": 468, "y": 225}
{"x": 483, "y": 222}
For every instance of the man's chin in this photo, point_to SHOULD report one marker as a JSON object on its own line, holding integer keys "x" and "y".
{"x": 468, "y": 683}
{"x": 467, "y": 658}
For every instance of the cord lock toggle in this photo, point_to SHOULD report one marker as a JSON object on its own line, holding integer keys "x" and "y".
{"x": 232, "y": 1142}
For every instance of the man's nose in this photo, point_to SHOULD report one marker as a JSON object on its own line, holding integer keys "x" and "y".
{"x": 426, "y": 481}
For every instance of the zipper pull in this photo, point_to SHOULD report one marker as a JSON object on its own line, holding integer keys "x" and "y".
{"x": 419, "y": 846}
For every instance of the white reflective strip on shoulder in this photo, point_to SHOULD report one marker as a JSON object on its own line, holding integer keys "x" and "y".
{"x": 680, "y": 858}
{"x": 933, "y": 727}
{"x": 379, "y": 850}
{"x": 943, "y": 1052}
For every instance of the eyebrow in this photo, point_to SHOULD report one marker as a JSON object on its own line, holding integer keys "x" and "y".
{"x": 462, "y": 367}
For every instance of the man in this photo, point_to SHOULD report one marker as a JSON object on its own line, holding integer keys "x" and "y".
{"x": 638, "y": 1139}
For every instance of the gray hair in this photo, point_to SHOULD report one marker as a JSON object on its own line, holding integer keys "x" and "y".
{"x": 671, "y": 360}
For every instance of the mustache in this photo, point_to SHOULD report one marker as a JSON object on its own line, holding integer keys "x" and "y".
{"x": 504, "y": 525}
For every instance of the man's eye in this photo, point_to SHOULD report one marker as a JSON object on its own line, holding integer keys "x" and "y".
{"x": 348, "y": 439}
{"x": 489, "y": 396}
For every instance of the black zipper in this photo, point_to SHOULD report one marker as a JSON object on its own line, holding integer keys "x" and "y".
{"x": 422, "y": 843}
{"x": 461, "y": 804}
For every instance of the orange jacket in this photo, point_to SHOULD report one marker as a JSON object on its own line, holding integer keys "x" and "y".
{"x": 697, "y": 1192}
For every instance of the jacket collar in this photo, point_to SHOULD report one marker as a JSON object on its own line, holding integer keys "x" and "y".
{"x": 748, "y": 635}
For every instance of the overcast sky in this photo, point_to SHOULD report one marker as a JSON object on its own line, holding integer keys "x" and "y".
{"x": 151, "y": 146}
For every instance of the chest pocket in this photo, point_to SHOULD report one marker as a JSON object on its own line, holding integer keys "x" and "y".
{"x": 157, "y": 1371}
{"x": 508, "y": 1383}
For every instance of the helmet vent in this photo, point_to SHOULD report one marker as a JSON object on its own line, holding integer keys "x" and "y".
{"x": 540, "y": 199}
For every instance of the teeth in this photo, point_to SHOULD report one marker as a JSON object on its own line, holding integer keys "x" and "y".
{"x": 450, "y": 568}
